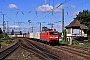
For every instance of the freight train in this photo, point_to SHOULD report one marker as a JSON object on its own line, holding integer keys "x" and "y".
{"x": 50, "y": 36}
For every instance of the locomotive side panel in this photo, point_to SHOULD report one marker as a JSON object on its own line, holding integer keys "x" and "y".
{"x": 48, "y": 36}
{"x": 44, "y": 36}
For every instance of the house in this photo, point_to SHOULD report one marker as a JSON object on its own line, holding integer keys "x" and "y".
{"x": 75, "y": 29}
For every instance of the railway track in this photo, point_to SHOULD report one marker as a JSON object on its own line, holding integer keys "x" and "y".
{"x": 8, "y": 51}
{"x": 74, "y": 50}
{"x": 70, "y": 52}
{"x": 86, "y": 50}
{"x": 31, "y": 49}
{"x": 42, "y": 52}
{"x": 47, "y": 52}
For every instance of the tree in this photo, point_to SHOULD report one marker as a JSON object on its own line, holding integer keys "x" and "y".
{"x": 20, "y": 32}
{"x": 1, "y": 31}
{"x": 60, "y": 33}
{"x": 1, "y": 35}
{"x": 64, "y": 35}
{"x": 84, "y": 18}
{"x": 12, "y": 33}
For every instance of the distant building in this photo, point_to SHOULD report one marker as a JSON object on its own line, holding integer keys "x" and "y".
{"x": 75, "y": 29}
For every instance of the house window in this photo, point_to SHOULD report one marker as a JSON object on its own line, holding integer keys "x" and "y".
{"x": 75, "y": 31}
{"x": 68, "y": 31}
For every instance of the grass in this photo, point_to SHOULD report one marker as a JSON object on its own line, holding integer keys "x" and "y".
{"x": 87, "y": 45}
{"x": 76, "y": 43}
{"x": 6, "y": 39}
{"x": 5, "y": 42}
{"x": 64, "y": 42}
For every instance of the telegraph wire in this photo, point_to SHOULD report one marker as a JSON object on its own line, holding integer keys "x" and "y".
{"x": 83, "y": 2}
{"x": 55, "y": 8}
{"x": 14, "y": 13}
{"x": 49, "y": 3}
{"x": 52, "y": 9}
{"x": 77, "y": 4}
{"x": 7, "y": 17}
{"x": 10, "y": 9}
{"x": 35, "y": 11}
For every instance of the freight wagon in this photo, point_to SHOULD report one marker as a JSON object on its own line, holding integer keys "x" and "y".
{"x": 50, "y": 36}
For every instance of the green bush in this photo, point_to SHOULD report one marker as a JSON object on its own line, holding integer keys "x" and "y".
{"x": 64, "y": 42}
{"x": 6, "y": 37}
{"x": 1, "y": 36}
{"x": 75, "y": 42}
{"x": 6, "y": 42}
{"x": 3, "y": 43}
{"x": 88, "y": 36}
{"x": 87, "y": 45}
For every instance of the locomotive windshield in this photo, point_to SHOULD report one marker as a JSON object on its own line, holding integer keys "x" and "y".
{"x": 53, "y": 33}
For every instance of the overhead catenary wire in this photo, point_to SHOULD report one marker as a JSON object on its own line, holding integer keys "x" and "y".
{"x": 10, "y": 9}
{"x": 49, "y": 0}
{"x": 38, "y": 16}
{"x": 55, "y": 8}
{"x": 14, "y": 12}
{"x": 19, "y": 9}
{"x": 77, "y": 4}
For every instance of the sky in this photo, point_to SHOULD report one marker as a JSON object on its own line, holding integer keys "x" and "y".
{"x": 22, "y": 15}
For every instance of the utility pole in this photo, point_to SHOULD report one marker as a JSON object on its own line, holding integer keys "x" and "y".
{"x": 7, "y": 28}
{"x": 51, "y": 25}
{"x": 62, "y": 23}
{"x": 41, "y": 25}
{"x": 3, "y": 21}
{"x": 62, "y": 20}
{"x": 32, "y": 28}
{"x": 3, "y": 25}
{"x": 45, "y": 1}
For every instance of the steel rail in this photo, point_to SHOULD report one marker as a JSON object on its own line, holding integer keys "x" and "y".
{"x": 51, "y": 55}
{"x": 74, "y": 51}
{"x": 38, "y": 53}
{"x": 8, "y": 51}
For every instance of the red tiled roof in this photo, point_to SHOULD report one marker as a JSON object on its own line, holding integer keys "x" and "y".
{"x": 77, "y": 23}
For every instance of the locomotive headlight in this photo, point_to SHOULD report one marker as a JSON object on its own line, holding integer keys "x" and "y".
{"x": 56, "y": 37}
{"x": 51, "y": 37}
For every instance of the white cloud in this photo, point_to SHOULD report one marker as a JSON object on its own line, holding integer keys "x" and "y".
{"x": 12, "y": 6}
{"x": 73, "y": 6}
{"x": 14, "y": 26}
{"x": 73, "y": 13}
{"x": 44, "y": 8}
{"x": 48, "y": 8}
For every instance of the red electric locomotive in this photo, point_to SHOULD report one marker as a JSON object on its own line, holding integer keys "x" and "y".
{"x": 51, "y": 36}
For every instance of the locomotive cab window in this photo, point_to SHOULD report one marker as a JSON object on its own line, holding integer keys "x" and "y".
{"x": 53, "y": 33}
